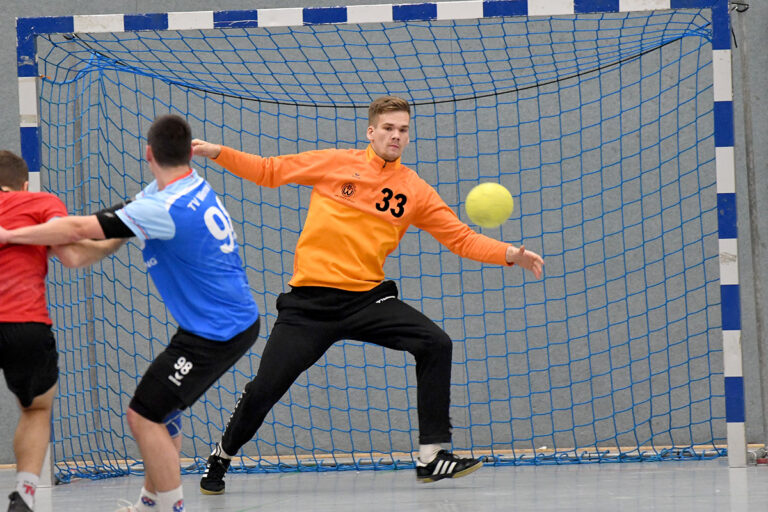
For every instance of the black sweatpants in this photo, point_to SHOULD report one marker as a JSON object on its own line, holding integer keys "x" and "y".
{"x": 311, "y": 319}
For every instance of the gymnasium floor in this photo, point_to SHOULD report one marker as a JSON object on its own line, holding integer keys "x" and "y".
{"x": 701, "y": 486}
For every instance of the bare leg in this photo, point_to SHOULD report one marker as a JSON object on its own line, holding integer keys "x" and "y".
{"x": 148, "y": 484}
{"x": 159, "y": 451}
{"x": 33, "y": 433}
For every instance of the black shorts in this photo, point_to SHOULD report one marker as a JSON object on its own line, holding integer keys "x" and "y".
{"x": 28, "y": 358}
{"x": 185, "y": 370}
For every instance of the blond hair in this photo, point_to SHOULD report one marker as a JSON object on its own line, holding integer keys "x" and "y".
{"x": 386, "y": 104}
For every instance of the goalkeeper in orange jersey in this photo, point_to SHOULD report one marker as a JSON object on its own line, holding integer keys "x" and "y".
{"x": 363, "y": 201}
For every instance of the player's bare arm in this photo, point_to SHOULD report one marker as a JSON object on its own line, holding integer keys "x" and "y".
{"x": 63, "y": 230}
{"x": 204, "y": 148}
{"x": 85, "y": 252}
{"x": 529, "y": 260}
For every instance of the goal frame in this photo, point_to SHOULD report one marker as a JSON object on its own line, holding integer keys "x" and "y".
{"x": 28, "y": 29}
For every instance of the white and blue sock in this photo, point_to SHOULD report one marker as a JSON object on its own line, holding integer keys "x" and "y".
{"x": 170, "y": 501}
{"x": 147, "y": 501}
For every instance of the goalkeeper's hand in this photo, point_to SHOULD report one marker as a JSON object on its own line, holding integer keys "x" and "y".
{"x": 206, "y": 149}
{"x": 529, "y": 260}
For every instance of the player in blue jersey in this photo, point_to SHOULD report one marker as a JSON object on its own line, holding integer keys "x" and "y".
{"x": 191, "y": 253}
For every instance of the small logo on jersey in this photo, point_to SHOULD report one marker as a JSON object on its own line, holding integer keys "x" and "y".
{"x": 182, "y": 368}
{"x": 385, "y": 298}
{"x": 348, "y": 190}
{"x": 198, "y": 199}
{"x": 147, "y": 501}
{"x": 178, "y": 506}
{"x": 151, "y": 262}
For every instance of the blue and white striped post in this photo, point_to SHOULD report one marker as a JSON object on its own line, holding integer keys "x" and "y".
{"x": 29, "y": 118}
{"x": 730, "y": 304}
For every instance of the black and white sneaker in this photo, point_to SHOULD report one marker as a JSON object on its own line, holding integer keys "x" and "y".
{"x": 213, "y": 479}
{"x": 445, "y": 465}
{"x": 17, "y": 503}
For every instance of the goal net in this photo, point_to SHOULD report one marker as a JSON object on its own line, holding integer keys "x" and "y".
{"x": 601, "y": 125}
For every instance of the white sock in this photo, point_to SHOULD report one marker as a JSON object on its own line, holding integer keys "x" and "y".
{"x": 170, "y": 501}
{"x": 219, "y": 452}
{"x": 147, "y": 501}
{"x": 428, "y": 452}
{"x": 26, "y": 485}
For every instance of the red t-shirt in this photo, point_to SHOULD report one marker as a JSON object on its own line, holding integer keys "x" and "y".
{"x": 23, "y": 267}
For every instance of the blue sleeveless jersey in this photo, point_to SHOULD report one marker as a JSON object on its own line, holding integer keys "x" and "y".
{"x": 192, "y": 254}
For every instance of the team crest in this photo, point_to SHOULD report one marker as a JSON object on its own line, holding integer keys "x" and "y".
{"x": 348, "y": 190}
{"x": 178, "y": 506}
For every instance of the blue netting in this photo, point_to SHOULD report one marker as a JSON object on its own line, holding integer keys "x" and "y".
{"x": 602, "y": 128}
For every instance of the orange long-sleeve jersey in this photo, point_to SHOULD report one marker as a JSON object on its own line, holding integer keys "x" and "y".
{"x": 360, "y": 208}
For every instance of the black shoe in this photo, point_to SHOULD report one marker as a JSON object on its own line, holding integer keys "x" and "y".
{"x": 445, "y": 465}
{"x": 17, "y": 503}
{"x": 213, "y": 479}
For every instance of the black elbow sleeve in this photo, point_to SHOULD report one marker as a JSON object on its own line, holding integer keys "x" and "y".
{"x": 111, "y": 224}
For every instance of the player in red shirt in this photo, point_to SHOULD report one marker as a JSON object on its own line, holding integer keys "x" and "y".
{"x": 28, "y": 356}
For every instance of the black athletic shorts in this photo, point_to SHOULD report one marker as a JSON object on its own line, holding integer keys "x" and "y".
{"x": 185, "y": 370}
{"x": 28, "y": 358}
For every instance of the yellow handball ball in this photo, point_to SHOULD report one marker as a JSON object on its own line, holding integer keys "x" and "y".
{"x": 489, "y": 204}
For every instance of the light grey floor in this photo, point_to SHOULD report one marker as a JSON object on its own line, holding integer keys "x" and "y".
{"x": 670, "y": 486}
